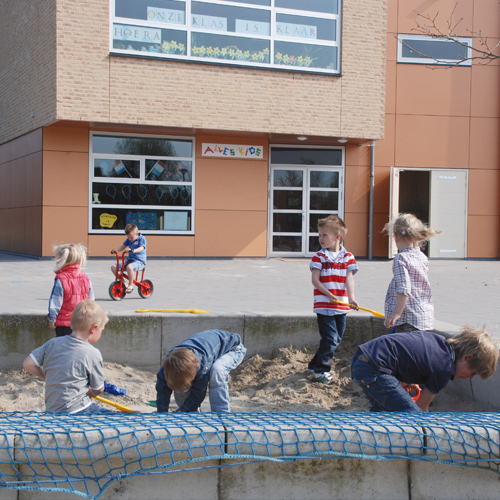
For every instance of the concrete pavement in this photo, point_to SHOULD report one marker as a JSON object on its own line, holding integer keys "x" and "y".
{"x": 464, "y": 291}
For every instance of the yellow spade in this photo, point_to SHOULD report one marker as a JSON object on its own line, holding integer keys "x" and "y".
{"x": 192, "y": 311}
{"x": 122, "y": 408}
{"x": 375, "y": 313}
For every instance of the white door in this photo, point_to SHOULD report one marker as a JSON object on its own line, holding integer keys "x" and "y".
{"x": 448, "y": 212}
{"x": 393, "y": 207}
{"x": 299, "y": 196}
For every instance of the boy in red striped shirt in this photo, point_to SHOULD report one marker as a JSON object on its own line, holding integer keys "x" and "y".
{"x": 333, "y": 269}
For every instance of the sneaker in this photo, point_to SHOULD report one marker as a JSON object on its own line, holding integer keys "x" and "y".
{"x": 323, "y": 378}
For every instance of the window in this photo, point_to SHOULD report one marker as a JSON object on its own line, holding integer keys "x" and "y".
{"x": 291, "y": 34}
{"x": 418, "y": 49}
{"x": 142, "y": 180}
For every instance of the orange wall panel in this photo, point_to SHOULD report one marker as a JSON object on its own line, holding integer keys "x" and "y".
{"x": 64, "y": 137}
{"x": 432, "y": 141}
{"x": 485, "y": 94}
{"x": 487, "y": 18}
{"x": 357, "y": 189}
{"x": 484, "y": 143}
{"x": 18, "y": 182}
{"x": 34, "y": 179}
{"x": 33, "y": 230}
{"x": 382, "y": 191}
{"x": 484, "y": 186}
{"x": 357, "y": 237}
{"x": 231, "y": 184}
{"x": 390, "y": 87}
{"x": 231, "y": 233}
{"x": 477, "y": 245}
{"x": 384, "y": 149}
{"x": 63, "y": 225}
{"x": 65, "y": 179}
{"x": 158, "y": 246}
{"x": 446, "y": 10}
{"x": 423, "y": 90}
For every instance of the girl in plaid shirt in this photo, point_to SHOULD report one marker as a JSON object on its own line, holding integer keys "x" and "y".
{"x": 408, "y": 302}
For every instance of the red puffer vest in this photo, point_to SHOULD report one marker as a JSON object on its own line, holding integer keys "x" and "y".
{"x": 76, "y": 285}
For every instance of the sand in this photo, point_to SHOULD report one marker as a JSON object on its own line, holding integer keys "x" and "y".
{"x": 277, "y": 383}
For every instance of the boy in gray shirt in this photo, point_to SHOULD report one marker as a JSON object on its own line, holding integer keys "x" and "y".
{"x": 71, "y": 366}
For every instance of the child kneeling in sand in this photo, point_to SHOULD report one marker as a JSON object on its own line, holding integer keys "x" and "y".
{"x": 70, "y": 365}
{"x": 200, "y": 362}
{"x": 388, "y": 366}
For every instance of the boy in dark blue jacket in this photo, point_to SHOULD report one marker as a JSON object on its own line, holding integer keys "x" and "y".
{"x": 388, "y": 366}
{"x": 200, "y": 362}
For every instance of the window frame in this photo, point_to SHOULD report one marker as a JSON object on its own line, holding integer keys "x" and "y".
{"x": 140, "y": 181}
{"x": 335, "y": 45}
{"x": 429, "y": 60}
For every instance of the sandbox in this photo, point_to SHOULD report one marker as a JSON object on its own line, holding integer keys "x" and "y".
{"x": 331, "y": 454}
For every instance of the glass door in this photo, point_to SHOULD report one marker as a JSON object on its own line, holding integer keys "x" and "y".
{"x": 305, "y": 185}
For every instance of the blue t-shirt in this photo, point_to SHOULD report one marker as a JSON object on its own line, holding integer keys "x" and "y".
{"x": 139, "y": 242}
{"x": 413, "y": 357}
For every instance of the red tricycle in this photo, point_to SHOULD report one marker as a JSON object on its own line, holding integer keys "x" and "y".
{"x": 117, "y": 289}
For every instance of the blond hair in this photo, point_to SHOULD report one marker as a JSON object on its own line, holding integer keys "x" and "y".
{"x": 335, "y": 223}
{"x": 69, "y": 254}
{"x": 180, "y": 368}
{"x": 129, "y": 228}
{"x": 409, "y": 227}
{"x": 87, "y": 314}
{"x": 482, "y": 347}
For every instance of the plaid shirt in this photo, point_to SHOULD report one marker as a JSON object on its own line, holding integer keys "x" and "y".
{"x": 411, "y": 269}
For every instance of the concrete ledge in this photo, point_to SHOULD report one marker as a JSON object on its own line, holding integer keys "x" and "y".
{"x": 101, "y": 448}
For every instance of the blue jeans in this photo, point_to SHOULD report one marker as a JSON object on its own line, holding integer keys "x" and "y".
{"x": 384, "y": 391}
{"x": 331, "y": 330}
{"x": 218, "y": 386}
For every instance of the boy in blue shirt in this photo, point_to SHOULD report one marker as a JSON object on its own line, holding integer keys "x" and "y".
{"x": 387, "y": 367}
{"x": 135, "y": 244}
{"x": 202, "y": 361}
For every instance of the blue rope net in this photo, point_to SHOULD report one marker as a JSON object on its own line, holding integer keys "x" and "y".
{"x": 84, "y": 454}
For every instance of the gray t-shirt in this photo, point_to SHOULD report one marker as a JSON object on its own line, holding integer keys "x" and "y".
{"x": 71, "y": 367}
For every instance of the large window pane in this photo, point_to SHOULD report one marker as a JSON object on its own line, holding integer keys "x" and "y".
{"x": 326, "y": 6}
{"x": 288, "y": 178}
{"x": 313, "y": 221}
{"x": 324, "y": 200}
{"x": 141, "y": 194}
{"x": 141, "y": 146}
{"x": 305, "y": 55}
{"x": 195, "y": 30}
{"x": 287, "y": 243}
{"x": 124, "y": 169}
{"x": 287, "y": 223}
{"x": 287, "y": 200}
{"x": 305, "y": 27}
{"x": 142, "y": 9}
{"x": 168, "y": 170}
{"x": 229, "y": 47}
{"x": 299, "y": 156}
{"x": 145, "y": 219}
{"x": 153, "y": 40}
{"x": 324, "y": 179}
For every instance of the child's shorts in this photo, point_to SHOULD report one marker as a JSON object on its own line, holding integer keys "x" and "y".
{"x": 137, "y": 265}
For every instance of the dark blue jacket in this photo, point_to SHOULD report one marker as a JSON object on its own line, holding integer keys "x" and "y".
{"x": 208, "y": 346}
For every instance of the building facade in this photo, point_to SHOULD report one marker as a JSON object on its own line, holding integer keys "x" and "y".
{"x": 227, "y": 128}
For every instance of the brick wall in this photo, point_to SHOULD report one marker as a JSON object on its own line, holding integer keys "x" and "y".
{"x": 96, "y": 87}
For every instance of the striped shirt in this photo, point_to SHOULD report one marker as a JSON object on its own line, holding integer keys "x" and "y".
{"x": 334, "y": 267}
{"x": 411, "y": 269}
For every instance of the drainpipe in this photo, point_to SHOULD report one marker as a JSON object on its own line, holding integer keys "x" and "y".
{"x": 372, "y": 188}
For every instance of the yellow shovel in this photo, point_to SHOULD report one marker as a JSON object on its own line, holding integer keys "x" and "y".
{"x": 122, "y": 408}
{"x": 192, "y": 311}
{"x": 375, "y": 313}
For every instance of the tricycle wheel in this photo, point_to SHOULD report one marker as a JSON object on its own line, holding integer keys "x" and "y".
{"x": 146, "y": 289}
{"x": 116, "y": 290}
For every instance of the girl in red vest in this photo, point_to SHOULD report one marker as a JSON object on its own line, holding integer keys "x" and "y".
{"x": 71, "y": 286}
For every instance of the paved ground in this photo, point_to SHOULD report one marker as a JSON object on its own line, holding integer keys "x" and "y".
{"x": 464, "y": 291}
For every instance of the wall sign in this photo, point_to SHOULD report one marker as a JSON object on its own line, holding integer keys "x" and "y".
{"x": 232, "y": 151}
